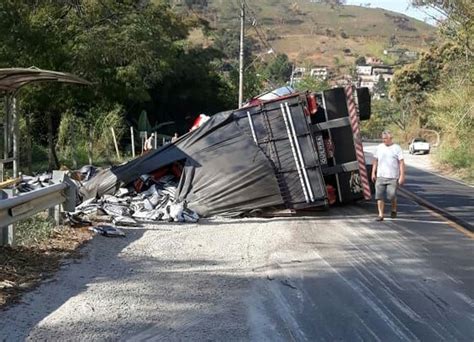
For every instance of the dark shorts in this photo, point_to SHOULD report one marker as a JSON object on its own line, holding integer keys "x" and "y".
{"x": 386, "y": 187}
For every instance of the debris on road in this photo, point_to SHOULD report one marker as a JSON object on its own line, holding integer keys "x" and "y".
{"x": 107, "y": 230}
{"x": 286, "y": 282}
{"x": 271, "y": 155}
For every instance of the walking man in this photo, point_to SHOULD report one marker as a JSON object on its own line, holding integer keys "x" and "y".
{"x": 388, "y": 172}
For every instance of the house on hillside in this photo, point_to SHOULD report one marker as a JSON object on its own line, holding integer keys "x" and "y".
{"x": 369, "y": 75}
{"x": 320, "y": 72}
{"x": 368, "y": 81}
{"x": 373, "y": 61}
{"x": 411, "y": 54}
{"x": 364, "y": 70}
{"x": 397, "y": 52}
{"x": 400, "y": 53}
{"x": 382, "y": 69}
{"x": 342, "y": 81}
{"x": 386, "y": 77}
{"x": 297, "y": 74}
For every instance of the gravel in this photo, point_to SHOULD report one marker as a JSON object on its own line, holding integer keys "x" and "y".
{"x": 165, "y": 281}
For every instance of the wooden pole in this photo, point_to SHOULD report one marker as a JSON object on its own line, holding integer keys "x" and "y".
{"x": 28, "y": 143}
{"x": 16, "y": 135}
{"x": 132, "y": 137}
{"x": 143, "y": 141}
{"x": 6, "y": 134}
{"x": 6, "y": 128}
{"x": 50, "y": 142}
{"x": 115, "y": 143}
{"x": 241, "y": 54}
{"x": 73, "y": 146}
{"x": 89, "y": 150}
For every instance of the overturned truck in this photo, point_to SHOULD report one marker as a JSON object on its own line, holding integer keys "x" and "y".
{"x": 297, "y": 151}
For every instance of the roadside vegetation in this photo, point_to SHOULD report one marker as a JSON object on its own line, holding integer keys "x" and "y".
{"x": 437, "y": 91}
{"x": 142, "y": 62}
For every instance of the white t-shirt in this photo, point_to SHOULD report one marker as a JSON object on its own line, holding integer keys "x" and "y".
{"x": 388, "y": 160}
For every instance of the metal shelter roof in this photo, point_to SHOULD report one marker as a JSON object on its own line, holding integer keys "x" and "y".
{"x": 12, "y": 79}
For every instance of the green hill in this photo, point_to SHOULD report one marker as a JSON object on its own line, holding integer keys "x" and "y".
{"x": 317, "y": 33}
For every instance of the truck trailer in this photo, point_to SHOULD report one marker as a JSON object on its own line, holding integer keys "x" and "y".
{"x": 291, "y": 152}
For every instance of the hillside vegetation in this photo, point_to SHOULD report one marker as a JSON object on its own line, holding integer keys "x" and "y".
{"x": 321, "y": 34}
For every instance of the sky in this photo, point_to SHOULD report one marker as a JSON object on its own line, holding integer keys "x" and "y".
{"x": 401, "y": 6}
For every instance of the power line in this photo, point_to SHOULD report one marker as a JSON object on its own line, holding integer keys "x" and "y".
{"x": 258, "y": 30}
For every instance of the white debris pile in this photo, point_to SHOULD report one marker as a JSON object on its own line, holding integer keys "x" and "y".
{"x": 30, "y": 183}
{"x": 155, "y": 202}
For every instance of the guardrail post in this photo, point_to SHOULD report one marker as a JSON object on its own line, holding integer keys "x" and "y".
{"x": 70, "y": 194}
{"x": 62, "y": 192}
{"x": 7, "y": 233}
{"x": 55, "y": 214}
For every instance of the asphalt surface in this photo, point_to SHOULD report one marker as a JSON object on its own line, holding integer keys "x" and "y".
{"x": 326, "y": 276}
{"x": 403, "y": 280}
{"x": 448, "y": 196}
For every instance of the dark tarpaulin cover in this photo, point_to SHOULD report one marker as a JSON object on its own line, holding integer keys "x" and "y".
{"x": 225, "y": 172}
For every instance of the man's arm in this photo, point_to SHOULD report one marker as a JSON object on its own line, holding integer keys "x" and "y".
{"x": 401, "y": 180}
{"x": 374, "y": 169}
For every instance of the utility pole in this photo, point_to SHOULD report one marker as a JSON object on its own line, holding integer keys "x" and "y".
{"x": 241, "y": 55}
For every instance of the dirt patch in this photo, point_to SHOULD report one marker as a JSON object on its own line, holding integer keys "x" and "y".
{"x": 23, "y": 267}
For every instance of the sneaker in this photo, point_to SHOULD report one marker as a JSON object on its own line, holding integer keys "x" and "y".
{"x": 393, "y": 214}
{"x": 379, "y": 218}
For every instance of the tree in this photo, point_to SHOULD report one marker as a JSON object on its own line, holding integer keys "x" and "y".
{"x": 384, "y": 114}
{"x": 360, "y": 61}
{"x": 278, "y": 70}
{"x": 130, "y": 50}
{"x": 416, "y": 80}
{"x": 457, "y": 23}
{"x": 312, "y": 83}
{"x": 381, "y": 87}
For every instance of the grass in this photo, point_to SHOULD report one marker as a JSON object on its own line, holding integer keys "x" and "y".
{"x": 299, "y": 29}
{"x": 458, "y": 162}
{"x": 35, "y": 229}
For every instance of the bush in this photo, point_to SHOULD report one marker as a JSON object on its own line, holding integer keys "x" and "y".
{"x": 458, "y": 157}
{"x": 343, "y": 34}
{"x": 100, "y": 121}
{"x": 451, "y": 112}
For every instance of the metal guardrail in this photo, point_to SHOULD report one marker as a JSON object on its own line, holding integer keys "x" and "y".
{"x": 24, "y": 205}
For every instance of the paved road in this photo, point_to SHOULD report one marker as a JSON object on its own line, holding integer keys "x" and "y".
{"x": 452, "y": 196}
{"x": 335, "y": 275}
{"x": 402, "y": 280}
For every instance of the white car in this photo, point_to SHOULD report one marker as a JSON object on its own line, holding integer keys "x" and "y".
{"x": 419, "y": 145}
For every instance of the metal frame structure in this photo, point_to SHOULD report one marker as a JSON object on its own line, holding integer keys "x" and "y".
{"x": 15, "y": 208}
{"x": 11, "y": 80}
